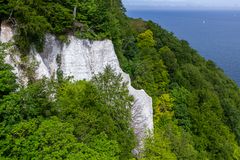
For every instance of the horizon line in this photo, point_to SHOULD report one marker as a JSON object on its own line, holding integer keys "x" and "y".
{"x": 183, "y": 9}
{"x": 197, "y": 8}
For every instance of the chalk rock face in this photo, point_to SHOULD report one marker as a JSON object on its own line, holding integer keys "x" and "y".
{"x": 6, "y": 33}
{"x": 82, "y": 59}
{"x": 48, "y": 59}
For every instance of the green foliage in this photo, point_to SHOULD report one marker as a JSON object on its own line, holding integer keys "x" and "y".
{"x": 179, "y": 142}
{"x": 149, "y": 72}
{"x": 196, "y": 107}
{"x": 100, "y": 106}
{"x": 200, "y": 120}
{"x": 80, "y": 120}
{"x": 36, "y": 139}
{"x": 145, "y": 40}
{"x": 89, "y": 19}
{"x": 28, "y": 103}
{"x": 182, "y": 99}
{"x": 158, "y": 151}
{"x": 114, "y": 94}
{"x": 7, "y": 78}
{"x": 169, "y": 59}
{"x": 78, "y": 104}
{"x": 107, "y": 149}
{"x": 33, "y": 139}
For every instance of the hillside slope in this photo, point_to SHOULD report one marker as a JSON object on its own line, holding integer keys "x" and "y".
{"x": 196, "y": 106}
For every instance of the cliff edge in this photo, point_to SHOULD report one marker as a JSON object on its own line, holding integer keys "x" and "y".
{"x": 82, "y": 59}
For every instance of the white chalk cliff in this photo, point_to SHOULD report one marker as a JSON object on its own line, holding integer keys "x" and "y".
{"x": 82, "y": 59}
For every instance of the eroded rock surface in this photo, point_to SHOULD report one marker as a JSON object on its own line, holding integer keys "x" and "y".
{"x": 6, "y": 33}
{"x": 82, "y": 59}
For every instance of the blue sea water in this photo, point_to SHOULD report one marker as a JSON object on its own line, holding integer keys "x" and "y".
{"x": 214, "y": 34}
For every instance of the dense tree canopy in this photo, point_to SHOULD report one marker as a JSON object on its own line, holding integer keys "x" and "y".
{"x": 194, "y": 103}
{"x": 86, "y": 19}
{"x": 50, "y": 120}
{"x": 196, "y": 107}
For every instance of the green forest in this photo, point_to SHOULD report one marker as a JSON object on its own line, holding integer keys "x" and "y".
{"x": 196, "y": 106}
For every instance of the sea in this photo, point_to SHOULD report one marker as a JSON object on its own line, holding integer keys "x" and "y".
{"x": 214, "y": 34}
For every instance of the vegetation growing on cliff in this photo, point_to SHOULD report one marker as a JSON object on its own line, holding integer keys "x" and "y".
{"x": 196, "y": 107}
{"x": 85, "y": 19}
{"x": 48, "y": 120}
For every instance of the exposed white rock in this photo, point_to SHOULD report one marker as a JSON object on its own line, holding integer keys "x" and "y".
{"x": 6, "y": 33}
{"x": 14, "y": 60}
{"x": 52, "y": 49}
{"x": 82, "y": 59}
{"x": 41, "y": 70}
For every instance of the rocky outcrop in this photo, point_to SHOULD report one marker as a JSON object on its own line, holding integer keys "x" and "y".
{"x": 13, "y": 57}
{"x": 6, "y": 33}
{"x": 82, "y": 59}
